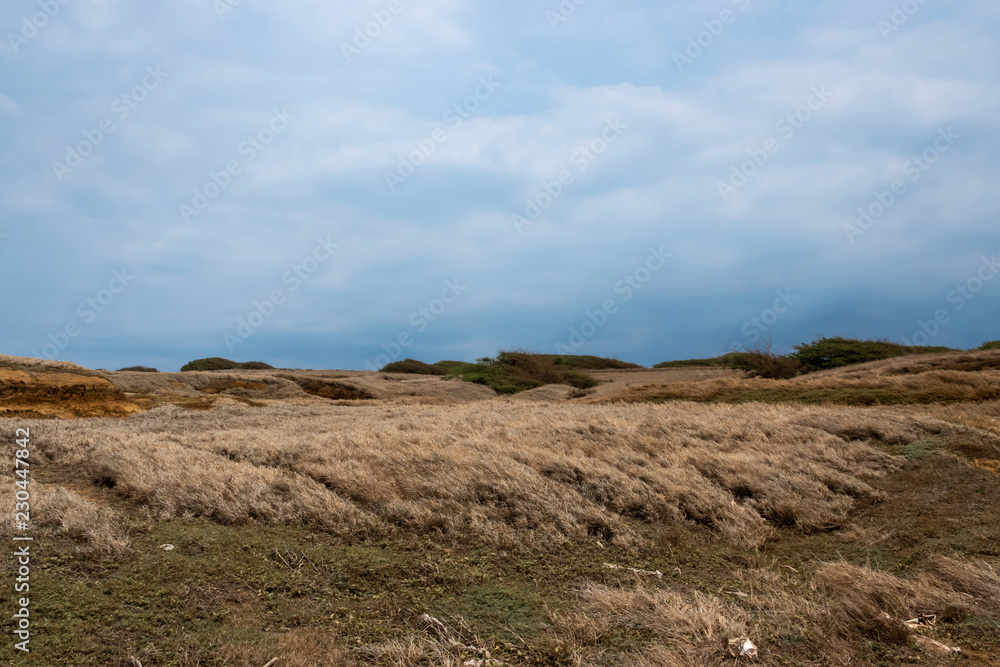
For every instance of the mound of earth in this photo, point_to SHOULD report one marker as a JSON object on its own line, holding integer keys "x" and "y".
{"x": 38, "y": 393}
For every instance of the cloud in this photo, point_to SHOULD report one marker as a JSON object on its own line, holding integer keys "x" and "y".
{"x": 502, "y": 152}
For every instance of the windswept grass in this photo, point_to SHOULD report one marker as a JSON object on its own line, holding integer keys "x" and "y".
{"x": 98, "y": 531}
{"x": 474, "y": 529}
{"x": 504, "y": 473}
{"x": 934, "y": 378}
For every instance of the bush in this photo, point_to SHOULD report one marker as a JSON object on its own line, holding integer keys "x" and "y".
{"x": 825, "y": 353}
{"x": 139, "y": 369}
{"x": 588, "y": 362}
{"x": 255, "y": 366}
{"x": 579, "y": 380}
{"x": 414, "y": 367}
{"x": 991, "y": 345}
{"x": 760, "y": 361}
{"x": 220, "y": 364}
{"x": 448, "y": 366}
{"x": 514, "y": 371}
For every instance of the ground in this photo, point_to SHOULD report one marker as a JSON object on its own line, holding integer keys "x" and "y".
{"x": 351, "y": 518}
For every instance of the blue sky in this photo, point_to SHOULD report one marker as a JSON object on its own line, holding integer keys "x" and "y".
{"x": 334, "y": 185}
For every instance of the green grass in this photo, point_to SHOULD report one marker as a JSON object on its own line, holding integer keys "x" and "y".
{"x": 919, "y": 449}
{"x": 496, "y": 609}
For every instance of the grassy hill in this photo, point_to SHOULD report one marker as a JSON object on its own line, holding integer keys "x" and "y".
{"x": 420, "y": 522}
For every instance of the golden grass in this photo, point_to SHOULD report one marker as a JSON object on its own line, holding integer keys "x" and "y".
{"x": 33, "y": 365}
{"x": 100, "y": 530}
{"x": 875, "y": 604}
{"x": 504, "y": 471}
{"x": 301, "y": 387}
{"x": 531, "y": 474}
{"x": 836, "y": 603}
{"x": 952, "y": 377}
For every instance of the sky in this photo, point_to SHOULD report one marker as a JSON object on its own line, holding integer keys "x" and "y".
{"x": 323, "y": 184}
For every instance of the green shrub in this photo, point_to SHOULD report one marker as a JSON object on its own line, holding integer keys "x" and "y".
{"x": 139, "y": 369}
{"x": 255, "y": 366}
{"x": 414, "y": 367}
{"x": 588, "y": 362}
{"x": 991, "y": 345}
{"x": 760, "y": 361}
{"x": 449, "y": 365}
{"x": 220, "y": 364}
{"x": 514, "y": 371}
{"x": 579, "y": 380}
{"x": 919, "y": 449}
{"x": 825, "y": 353}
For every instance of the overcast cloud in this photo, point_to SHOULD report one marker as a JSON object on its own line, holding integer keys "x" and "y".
{"x": 313, "y": 183}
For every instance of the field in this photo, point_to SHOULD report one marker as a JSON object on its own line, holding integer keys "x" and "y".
{"x": 351, "y": 518}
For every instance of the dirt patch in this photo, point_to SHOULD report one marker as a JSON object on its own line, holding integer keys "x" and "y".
{"x": 992, "y": 465}
{"x": 335, "y": 391}
{"x": 62, "y": 395}
{"x": 234, "y": 386}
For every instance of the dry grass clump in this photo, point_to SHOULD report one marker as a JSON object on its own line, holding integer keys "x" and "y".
{"x": 439, "y": 645}
{"x": 508, "y": 472}
{"x": 692, "y": 623}
{"x": 978, "y": 579}
{"x": 298, "y": 647}
{"x": 171, "y": 480}
{"x": 686, "y": 627}
{"x": 100, "y": 529}
{"x": 875, "y": 604}
{"x": 412, "y": 651}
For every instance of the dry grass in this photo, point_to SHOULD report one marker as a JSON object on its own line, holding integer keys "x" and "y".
{"x": 688, "y": 626}
{"x": 505, "y": 471}
{"x": 432, "y": 489}
{"x": 952, "y": 377}
{"x": 32, "y": 365}
{"x": 833, "y": 606}
{"x": 875, "y": 604}
{"x": 54, "y": 508}
{"x": 299, "y": 387}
